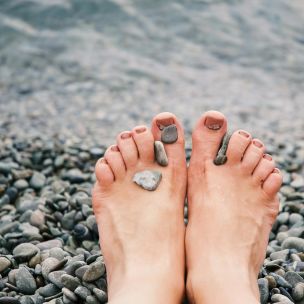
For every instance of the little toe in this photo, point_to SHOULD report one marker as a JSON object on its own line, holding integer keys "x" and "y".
{"x": 207, "y": 136}
{"x": 263, "y": 169}
{"x": 238, "y": 144}
{"x": 168, "y": 129}
{"x": 145, "y": 143}
{"x": 273, "y": 183}
{"x": 115, "y": 161}
{"x": 127, "y": 148}
{"x": 252, "y": 156}
{"x": 104, "y": 173}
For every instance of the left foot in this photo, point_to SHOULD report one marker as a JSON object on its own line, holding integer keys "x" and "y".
{"x": 142, "y": 232}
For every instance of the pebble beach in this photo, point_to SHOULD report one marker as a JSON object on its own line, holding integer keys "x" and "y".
{"x": 73, "y": 74}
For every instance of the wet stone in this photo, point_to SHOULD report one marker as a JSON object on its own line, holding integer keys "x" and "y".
{"x": 169, "y": 134}
{"x": 160, "y": 154}
{"x": 25, "y": 281}
{"x": 148, "y": 180}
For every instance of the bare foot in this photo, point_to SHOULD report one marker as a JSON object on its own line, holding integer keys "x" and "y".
{"x": 231, "y": 211}
{"x": 142, "y": 232}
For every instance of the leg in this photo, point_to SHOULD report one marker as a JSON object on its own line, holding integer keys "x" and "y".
{"x": 231, "y": 211}
{"x": 142, "y": 232}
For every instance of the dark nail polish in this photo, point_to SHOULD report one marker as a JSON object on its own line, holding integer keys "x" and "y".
{"x": 213, "y": 123}
{"x": 125, "y": 135}
{"x": 115, "y": 149}
{"x": 257, "y": 143}
{"x": 267, "y": 156}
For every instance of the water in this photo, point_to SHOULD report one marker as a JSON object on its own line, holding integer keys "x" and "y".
{"x": 89, "y": 69}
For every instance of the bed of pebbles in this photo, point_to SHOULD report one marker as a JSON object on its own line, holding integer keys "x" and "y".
{"x": 49, "y": 251}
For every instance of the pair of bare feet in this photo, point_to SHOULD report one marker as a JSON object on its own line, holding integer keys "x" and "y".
{"x": 146, "y": 247}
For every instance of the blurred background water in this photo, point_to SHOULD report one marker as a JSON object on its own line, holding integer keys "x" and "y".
{"x": 85, "y": 70}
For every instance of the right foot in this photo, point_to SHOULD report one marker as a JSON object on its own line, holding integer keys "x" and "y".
{"x": 231, "y": 211}
{"x": 142, "y": 232}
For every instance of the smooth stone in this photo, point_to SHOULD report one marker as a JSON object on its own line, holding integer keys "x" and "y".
{"x": 81, "y": 271}
{"x": 70, "y": 282}
{"x": 55, "y": 278}
{"x": 92, "y": 300}
{"x": 37, "y": 181}
{"x": 293, "y": 243}
{"x": 94, "y": 272}
{"x": 160, "y": 153}
{"x": 221, "y": 157}
{"x": 169, "y": 134}
{"x": 280, "y": 280}
{"x": 283, "y": 217}
{"x": 298, "y": 292}
{"x": 74, "y": 176}
{"x": 37, "y": 218}
{"x": 21, "y": 184}
{"x": 96, "y": 152}
{"x": 264, "y": 292}
{"x": 57, "y": 253}
{"x": 69, "y": 294}
{"x": 148, "y": 180}
{"x": 25, "y": 281}
{"x": 68, "y": 220}
{"x": 24, "y": 205}
{"x": 48, "y": 290}
{"x": 82, "y": 292}
{"x": 101, "y": 295}
{"x": 25, "y": 251}
{"x": 282, "y": 254}
{"x": 4, "y": 263}
{"x": 293, "y": 278}
{"x": 9, "y": 300}
{"x": 49, "y": 265}
{"x": 281, "y": 299}
{"x": 272, "y": 283}
{"x": 295, "y": 218}
{"x": 12, "y": 192}
{"x": 50, "y": 244}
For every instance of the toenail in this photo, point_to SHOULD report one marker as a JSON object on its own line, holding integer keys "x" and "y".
{"x": 257, "y": 143}
{"x": 213, "y": 123}
{"x": 103, "y": 161}
{"x": 245, "y": 134}
{"x": 140, "y": 130}
{"x": 267, "y": 156}
{"x": 115, "y": 149}
{"x": 162, "y": 123}
{"x": 276, "y": 170}
{"x": 125, "y": 135}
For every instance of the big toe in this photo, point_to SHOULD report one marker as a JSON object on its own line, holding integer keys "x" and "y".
{"x": 167, "y": 128}
{"x": 207, "y": 136}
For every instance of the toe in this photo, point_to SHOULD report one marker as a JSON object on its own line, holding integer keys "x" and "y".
{"x": 115, "y": 161}
{"x": 252, "y": 156}
{"x": 127, "y": 149}
{"x": 238, "y": 144}
{"x": 263, "y": 169}
{"x": 273, "y": 183}
{"x": 174, "y": 144}
{"x": 104, "y": 173}
{"x": 207, "y": 135}
{"x": 145, "y": 143}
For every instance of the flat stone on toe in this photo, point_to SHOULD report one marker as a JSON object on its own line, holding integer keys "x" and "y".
{"x": 221, "y": 157}
{"x": 169, "y": 134}
{"x": 147, "y": 179}
{"x": 160, "y": 153}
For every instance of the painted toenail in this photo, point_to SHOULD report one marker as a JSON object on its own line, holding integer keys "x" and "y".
{"x": 245, "y": 134}
{"x": 140, "y": 130}
{"x": 213, "y": 123}
{"x": 162, "y": 123}
{"x": 267, "y": 156}
{"x": 115, "y": 149}
{"x": 125, "y": 135}
{"x": 257, "y": 143}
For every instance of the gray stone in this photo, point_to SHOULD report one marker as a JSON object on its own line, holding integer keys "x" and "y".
{"x": 295, "y": 218}
{"x": 94, "y": 272}
{"x": 280, "y": 280}
{"x": 69, "y": 294}
{"x": 81, "y": 271}
{"x": 148, "y": 180}
{"x": 70, "y": 282}
{"x": 9, "y": 300}
{"x": 282, "y": 254}
{"x": 37, "y": 181}
{"x": 281, "y": 299}
{"x": 57, "y": 253}
{"x": 82, "y": 292}
{"x": 293, "y": 278}
{"x": 264, "y": 292}
{"x": 4, "y": 263}
{"x": 293, "y": 243}
{"x": 283, "y": 217}
{"x": 221, "y": 157}
{"x": 25, "y": 281}
{"x": 298, "y": 292}
{"x": 55, "y": 278}
{"x": 48, "y": 290}
{"x": 101, "y": 295}
{"x": 160, "y": 153}
{"x": 48, "y": 265}
{"x": 169, "y": 134}
{"x": 50, "y": 244}
{"x": 68, "y": 220}
{"x": 37, "y": 218}
{"x": 92, "y": 300}
{"x": 74, "y": 176}
{"x": 25, "y": 251}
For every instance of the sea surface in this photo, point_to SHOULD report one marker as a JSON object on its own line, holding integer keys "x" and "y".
{"x": 85, "y": 70}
